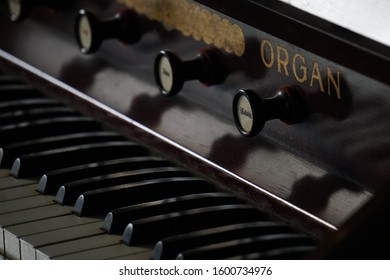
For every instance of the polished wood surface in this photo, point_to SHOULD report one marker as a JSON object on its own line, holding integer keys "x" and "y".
{"x": 308, "y": 174}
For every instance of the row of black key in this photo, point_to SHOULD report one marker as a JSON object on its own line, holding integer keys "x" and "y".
{"x": 115, "y": 187}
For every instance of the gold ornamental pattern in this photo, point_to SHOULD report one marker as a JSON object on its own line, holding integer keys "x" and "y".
{"x": 193, "y": 20}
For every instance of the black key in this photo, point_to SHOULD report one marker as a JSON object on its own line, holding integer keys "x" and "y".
{"x": 154, "y": 228}
{"x": 104, "y": 200}
{"x": 8, "y": 80}
{"x": 38, "y": 163}
{"x": 10, "y": 118}
{"x": 10, "y": 152}
{"x": 170, "y": 247}
{"x": 117, "y": 220}
{"x": 69, "y": 193}
{"x": 15, "y": 92}
{"x": 288, "y": 253}
{"x": 25, "y": 104}
{"x": 45, "y": 128}
{"x": 52, "y": 181}
{"x": 245, "y": 246}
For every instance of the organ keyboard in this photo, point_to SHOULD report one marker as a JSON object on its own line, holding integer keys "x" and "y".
{"x": 97, "y": 164}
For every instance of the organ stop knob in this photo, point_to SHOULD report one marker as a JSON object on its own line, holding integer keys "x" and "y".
{"x": 19, "y": 9}
{"x": 171, "y": 72}
{"x": 91, "y": 31}
{"x": 251, "y": 112}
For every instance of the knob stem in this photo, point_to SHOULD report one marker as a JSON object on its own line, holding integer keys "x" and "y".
{"x": 122, "y": 26}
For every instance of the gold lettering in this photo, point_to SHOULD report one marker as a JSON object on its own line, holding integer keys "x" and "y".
{"x": 285, "y": 62}
{"x": 316, "y": 75}
{"x": 264, "y": 44}
{"x": 282, "y": 62}
{"x": 303, "y": 77}
{"x": 335, "y": 84}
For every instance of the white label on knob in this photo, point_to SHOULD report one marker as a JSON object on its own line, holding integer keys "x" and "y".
{"x": 85, "y": 33}
{"x": 245, "y": 113}
{"x": 15, "y": 8}
{"x": 166, "y": 74}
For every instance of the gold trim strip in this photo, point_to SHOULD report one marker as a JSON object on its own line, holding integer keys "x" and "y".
{"x": 193, "y": 20}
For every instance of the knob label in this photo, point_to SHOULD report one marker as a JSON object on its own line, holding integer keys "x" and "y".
{"x": 166, "y": 74}
{"x": 245, "y": 113}
{"x": 15, "y": 8}
{"x": 85, "y": 33}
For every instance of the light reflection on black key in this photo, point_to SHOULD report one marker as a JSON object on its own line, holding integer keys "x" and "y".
{"x": 38, "y": 163}
{"x": 53, "y": 180}
{"x": 154, "y": 228}
{"x": 170, "y": 247}
{"x": 29, "y": 115}
{"x": 117, "y": 220}
{"x": 69, "y": 193}
{"x": 45, "y": 128}
{"x": 25, "y": 104}
{"x": 287, "y": 253}
{"x": 104, "y": 200}
{"x": 245, "y": 246}
{"x": 10, "y": 152}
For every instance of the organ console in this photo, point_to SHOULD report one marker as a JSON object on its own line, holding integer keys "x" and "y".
{"x": 97, "y": 164}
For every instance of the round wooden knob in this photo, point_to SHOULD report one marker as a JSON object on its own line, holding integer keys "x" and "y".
{"x": 20, "y": 9}
{"x": 171, "y": 72}
{"x": 251, "y": 112}
{"x": 91, "y": 31}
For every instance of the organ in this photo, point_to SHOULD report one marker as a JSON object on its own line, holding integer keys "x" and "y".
{"x": 89, "y": 141}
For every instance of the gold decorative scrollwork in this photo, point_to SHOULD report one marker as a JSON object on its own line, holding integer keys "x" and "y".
{"x": 193, "y": 20}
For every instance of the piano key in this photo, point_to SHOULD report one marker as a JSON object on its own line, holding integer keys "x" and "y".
{"x": 13, "y": 234}
{"x": 30, "y": 243}
{"x": 33, "y": 214}
{"x": 8, "y": 80}
{"x": 25, "y": 104}
{"x": 18, "y": 91}
{"x": 38, "y": 163}
{"x": 74, "y": 246}
{"x": 18, "y": 192}
{"x": 170, "y": 247}
{"x": 3, "y": 173}
{"x": 104, "y": 200}
{"x": 145, "y": 255}
{"x": 117, "y": 220}
{"x": 154, "y": 228}
{"x": 289, "y": 253}
{"x": 25, "y": 203}
{"x": 245, "y": 246}
{"x": 8, "y": 182}
{"x": 24, "y": 216}
{"x": 69, "y": 193}
{"x": 35, "y": 114}
{"x": 10, "y": 152}
{"x": 45, "y": 128}
{"x": 52, "y": 181}
{"x": 110, "y": 252}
